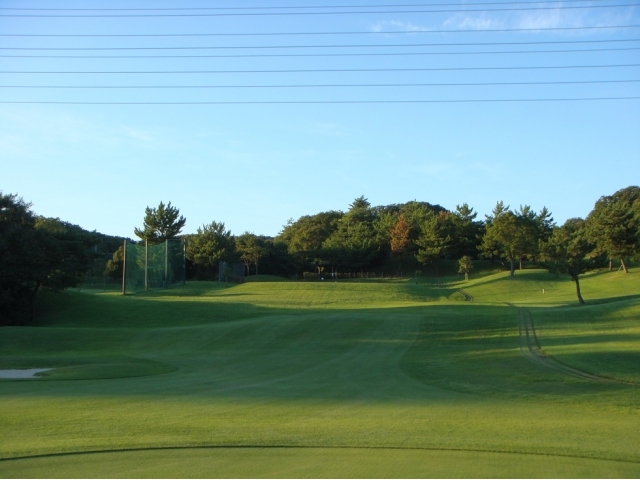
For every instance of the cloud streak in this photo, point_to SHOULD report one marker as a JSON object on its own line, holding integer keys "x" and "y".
{"x": 525, "y": 19}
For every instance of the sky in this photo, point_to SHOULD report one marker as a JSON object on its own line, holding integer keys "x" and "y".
{"x": 294, "y": 121}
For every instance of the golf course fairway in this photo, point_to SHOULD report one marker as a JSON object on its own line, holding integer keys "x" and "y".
{"x": 495, "y": 377}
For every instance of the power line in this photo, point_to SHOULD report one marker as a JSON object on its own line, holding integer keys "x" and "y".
{"x": 298, "y": 55}
{"x": 367, "y": 45}
{"x": 326, "y": 102}
{"x": 323, "y": 70}
{"x": 298, "y": 7}
{"x": 359, "y": 85}
{"x": 279, "y": 34}
{"x": 272, "y": 14}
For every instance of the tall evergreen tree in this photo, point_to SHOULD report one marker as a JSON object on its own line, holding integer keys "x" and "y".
{"x": 436, "y": 237}
{"x": 567, "y": 250}
{"x": 160, "y": 224}
{"x": 502, "y": 236}
{"x": 354, "y": 242}
{"x": 527, "y": 238}
{"x": 466, "y": 231}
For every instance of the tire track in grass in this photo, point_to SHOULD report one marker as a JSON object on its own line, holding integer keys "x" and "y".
{"x": 530, "y": 349}
{"x": 467, "y": 296}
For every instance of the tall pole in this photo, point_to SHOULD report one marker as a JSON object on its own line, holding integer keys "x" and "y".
{"x": 184, "y": 261}
{"x": 124, "y": 269}
{"x": 146, "y": 264}
{"x": 166, "y": 263}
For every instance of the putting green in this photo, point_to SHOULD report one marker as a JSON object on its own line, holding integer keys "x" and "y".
{"x": 312, "y": 463}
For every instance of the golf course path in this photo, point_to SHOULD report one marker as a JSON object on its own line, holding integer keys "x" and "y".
{"x": 531, "y": 350}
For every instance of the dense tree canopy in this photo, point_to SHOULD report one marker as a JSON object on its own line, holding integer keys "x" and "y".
{"x": 614, "y": 225}
{"x": 436, "y": 237}
{"x": 515, "y": 235}
{"x": 308, "y": 233}
{"x": 36, "y": 252}
{"x": 354, "y": 242}
{"x": 252, "y": 249}
{"x": 212, "y": 244}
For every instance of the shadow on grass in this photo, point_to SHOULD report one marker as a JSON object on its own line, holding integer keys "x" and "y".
{"x": 232, "y": 348}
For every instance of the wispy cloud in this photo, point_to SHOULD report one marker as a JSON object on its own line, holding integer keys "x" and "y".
{"x": 544, "y": 19}
{"x": 396, "y": 25}
{"x": 527, "y": 19}
{"x": 472, "y": 22}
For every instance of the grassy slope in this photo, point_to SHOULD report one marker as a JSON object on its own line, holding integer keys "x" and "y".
{"x": 396, "y": 364}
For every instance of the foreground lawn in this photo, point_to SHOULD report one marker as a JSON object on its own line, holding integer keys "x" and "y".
{"x": 356, "y": 379}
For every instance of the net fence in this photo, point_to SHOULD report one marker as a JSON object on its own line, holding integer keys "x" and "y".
{"x": 149, "y": 267}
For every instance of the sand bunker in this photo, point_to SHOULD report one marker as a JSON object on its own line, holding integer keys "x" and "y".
{"x": 25, "y": 373}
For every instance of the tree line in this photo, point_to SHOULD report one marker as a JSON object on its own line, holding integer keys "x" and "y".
{"x": 40, "y": 252}
{"x": 366, "y": 238}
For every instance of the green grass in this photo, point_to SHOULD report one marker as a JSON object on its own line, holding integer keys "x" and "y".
{"x": 322, "y": 379}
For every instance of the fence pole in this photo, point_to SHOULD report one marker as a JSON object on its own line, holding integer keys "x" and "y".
{"x": 124, "y": 269}
{"x": 166, "y": 263}
{"x": 146, "y": 264}
{"x": 184, "y": 261}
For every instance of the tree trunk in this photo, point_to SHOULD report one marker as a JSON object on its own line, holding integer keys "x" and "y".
{"x": 512, "y": 267}
{"x": 466, "y": 276}
{"x": 520, "y": 263}
{"x": 610, "y": 264}
{"x": 577, "y": 282}
{"x": 624, "y": 265}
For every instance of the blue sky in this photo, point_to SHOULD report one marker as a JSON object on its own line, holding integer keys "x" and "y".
{"x": 254, "y": 166}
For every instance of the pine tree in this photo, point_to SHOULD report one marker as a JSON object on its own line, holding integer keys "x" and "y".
{"x": 160, "y": 224}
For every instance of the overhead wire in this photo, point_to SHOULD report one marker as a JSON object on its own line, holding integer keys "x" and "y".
{"x": 273, "y": 14}
{"x": 367, "y": 45}
{"x": 279, "y": 34}
{"x": 327, "y": 102}
{"x": 302, "y": 7}
{"x": 298, "y": 55}
{"x": 319, "y": 70}
{"x": 330, "y": 85}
